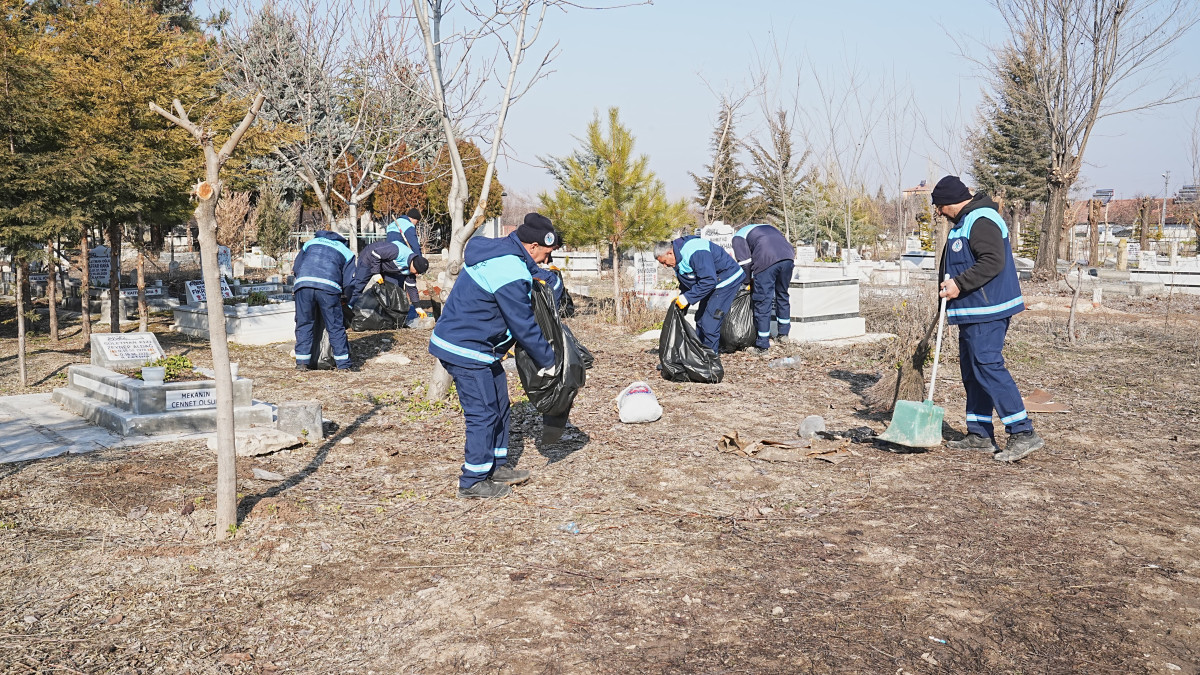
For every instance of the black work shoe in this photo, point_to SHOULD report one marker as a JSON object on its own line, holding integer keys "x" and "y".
{"x": 509, "y": 476}
{"x": 755, "y": 351}
{"x": 1020, "y": 445}
{"x": 973, "y": 442}
{"x": 485, "y": 489}
{"x": 301, "y": 366}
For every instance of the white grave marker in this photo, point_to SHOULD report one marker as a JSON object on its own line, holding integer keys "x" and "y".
{"x": 806, "y": 255}
{"x": 225, "y": 261}
{"x": 98, "y": 266}
{"x": 195, "y": 291}
{"x": 116, "y": 351}
{"x": 720, "y": 234}
{"x": 1134, "y": 251}
{"x": 1147, "y": 260}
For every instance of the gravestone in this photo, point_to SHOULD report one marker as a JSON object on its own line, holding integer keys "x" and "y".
{"x": 225, "y": 261}
{"x": 117, "y": 351}
{"x": 1133, "y": 251}
{"x": 853, "y": 256}
{"x": 1122, "y": 255}
{"x": 195, "y": 291}
{"x": 720, "y": 234}
{"x": 1147, "y": 260}
{"x": 98, "y": 266}
{"x": 806, "y": 255}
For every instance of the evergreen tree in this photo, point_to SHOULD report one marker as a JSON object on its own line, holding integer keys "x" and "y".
{"x": 731, "y": 198}
{"x": 1010, "y": 152}
{"x": 776, "y": 174}
{"x": 607, "y": 196}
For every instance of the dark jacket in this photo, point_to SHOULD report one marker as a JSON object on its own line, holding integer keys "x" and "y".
{"x": 978, "y": 257}
{"x": 326, "y": 263}
{"x": 702, "y": 267}
{"x": 403, "y": 230}
{"x": 389, "y": 259}
{"x": 490, "y": 307}
{"x": 757, "y": 247}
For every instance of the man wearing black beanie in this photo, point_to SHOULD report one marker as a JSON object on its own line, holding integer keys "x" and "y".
{"x": 983, "y": 293}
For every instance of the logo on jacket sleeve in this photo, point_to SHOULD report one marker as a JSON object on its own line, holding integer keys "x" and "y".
{"x": 957, "y": 245}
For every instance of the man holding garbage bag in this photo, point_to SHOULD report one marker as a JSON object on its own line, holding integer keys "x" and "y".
{"x": 324, "y": 270}
{"x": 388, "y": 262}
{"x": 768, "y": 257}
{"x": 403, "y": 230}
{"x": 708, "y": 278}
{"x": 489, "y": 310}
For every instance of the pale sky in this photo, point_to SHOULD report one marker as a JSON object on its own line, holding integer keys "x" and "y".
{"x": 658, "y": 62}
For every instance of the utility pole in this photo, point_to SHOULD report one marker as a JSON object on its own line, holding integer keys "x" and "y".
{"x": 1162, "y": 217}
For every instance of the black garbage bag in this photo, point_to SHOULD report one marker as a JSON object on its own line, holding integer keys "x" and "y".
{"x": 324, "y": 359}
{"x": 737, "y": 330}
{"x": 380, "y": 307}
{"x": 566, "y": 304}
{"x": 681, "y": 355}
{"x": 585, "y": 355}
{"x": 552, "y": 396}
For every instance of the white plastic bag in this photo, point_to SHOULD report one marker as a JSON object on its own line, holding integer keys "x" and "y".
{"x": 637, "y": 404}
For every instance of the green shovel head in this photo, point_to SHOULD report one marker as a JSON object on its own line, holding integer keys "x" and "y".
{"x": 916, "y": 425}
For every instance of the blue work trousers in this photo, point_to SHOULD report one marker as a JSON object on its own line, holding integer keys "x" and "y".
{"x": 988, "y": 383}
{"x": 309, "y": 303}
{"x": 711, "y": 312}
{"x": 769, "y": 292}
{"x": 483, "y": 394}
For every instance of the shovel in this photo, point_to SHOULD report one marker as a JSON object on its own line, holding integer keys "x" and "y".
{"x": 919, "y": 425}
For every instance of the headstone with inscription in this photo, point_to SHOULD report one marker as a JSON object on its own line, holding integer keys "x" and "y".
{"x": 98, "y": 266}
{"x": 1147, "y": 260}
{"x": 806, "y": 255}
{"x": 117, "y": 351}
{"x": 1134, "y": 251}
{"x": 720, "y": 234}
{"x": 195, "y": 291}
{"x": 225, "y": 261}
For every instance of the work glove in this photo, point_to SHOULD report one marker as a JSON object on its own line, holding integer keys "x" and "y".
{"x": 421, "y": 313}
{"x": 681, "y": 302}
{"x": 377, "y": 279}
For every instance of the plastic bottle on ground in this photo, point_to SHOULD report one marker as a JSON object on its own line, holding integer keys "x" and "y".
{"x": 785, "y": 362}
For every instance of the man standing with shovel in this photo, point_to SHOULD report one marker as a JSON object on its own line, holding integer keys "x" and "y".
{"x": 982, "y": 294}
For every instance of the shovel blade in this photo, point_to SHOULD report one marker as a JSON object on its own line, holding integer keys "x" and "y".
{"x": 915, "y": 425}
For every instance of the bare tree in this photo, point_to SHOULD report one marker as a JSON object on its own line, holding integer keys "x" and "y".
{"x": 1090, "y": 59}
{"x": 515, "y": 25}
{"x": 899, "y": 134}
{"x": 208, "y": 192}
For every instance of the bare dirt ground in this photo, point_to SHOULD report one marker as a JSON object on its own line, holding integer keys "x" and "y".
{"x": 1081, "y": 558}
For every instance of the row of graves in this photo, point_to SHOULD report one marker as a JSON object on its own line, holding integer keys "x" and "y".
{"x": 256, "y": 312}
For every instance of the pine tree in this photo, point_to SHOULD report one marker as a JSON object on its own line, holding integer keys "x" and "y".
{"x": 1010, "y": 153}
{"x": 776, "y": 174}
{"x": 731, "y": 199}
{"x": 607, "y": 196}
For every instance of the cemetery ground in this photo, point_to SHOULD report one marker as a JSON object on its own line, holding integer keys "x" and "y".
{"x": 635, "y": 548}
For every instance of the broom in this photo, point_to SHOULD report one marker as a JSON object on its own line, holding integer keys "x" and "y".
{"x": 906, "y": 382}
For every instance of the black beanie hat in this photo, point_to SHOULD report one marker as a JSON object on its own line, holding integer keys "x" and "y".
{"x": 537, "y": 229}
{"x": 419, "y": 264}
{"x": 413, "y": 214}
{"x": 949, "y": 190}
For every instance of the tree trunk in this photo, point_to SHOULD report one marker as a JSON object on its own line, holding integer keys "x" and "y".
{"x": 1046, "y": 265}
{"x": 616, "y": 254}
{"x": 114, "y": 277}
{"x": 85, "y": 287}
{"x": 20, "y": 269}
{"x": 52, "y": 288}
{"x": 1094, "y": 232}
{"x": 1015, "y": 229}
{"x": 1144, "y": 224}
{"x": 143, "y": 314}
{"x": 218, "y": 341}
{"x": 353, "y": 235}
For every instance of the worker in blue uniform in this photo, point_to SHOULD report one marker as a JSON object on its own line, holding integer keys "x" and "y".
{"x": 324, "y": 274}
{"x": 403, "y": 230}
{"x": 768, "y": 258}
{"x": 488, "y": 311}
{"x": 389, "y": 262}
{"x": 983, "y": 293}
{"x": 708, "y": 278}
